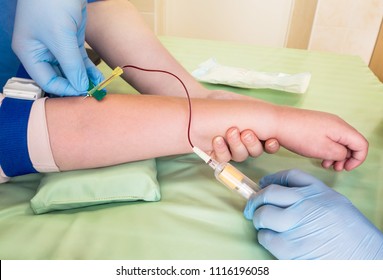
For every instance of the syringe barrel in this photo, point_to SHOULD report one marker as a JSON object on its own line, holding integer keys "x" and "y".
{"x": 235, "y": 180}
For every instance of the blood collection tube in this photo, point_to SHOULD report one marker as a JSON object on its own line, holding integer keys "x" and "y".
{"x": 230, "y": 176}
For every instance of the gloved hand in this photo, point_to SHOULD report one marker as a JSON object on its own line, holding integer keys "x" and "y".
{"x": 49, "y": 38}
{"x": 299, "y": 217}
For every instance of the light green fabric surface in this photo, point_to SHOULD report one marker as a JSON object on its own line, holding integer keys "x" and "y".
{"x": 74, "y": 189}
{"x": 197, "y": 218}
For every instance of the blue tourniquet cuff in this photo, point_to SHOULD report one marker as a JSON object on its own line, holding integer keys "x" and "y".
{"x": 14, "y": 155}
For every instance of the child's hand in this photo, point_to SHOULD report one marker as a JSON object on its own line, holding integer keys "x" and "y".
{"x": 238, "y": 146}
{"x": 322, "y": 135}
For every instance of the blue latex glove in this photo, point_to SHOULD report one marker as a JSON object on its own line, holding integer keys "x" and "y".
{"x": 49, "y": 38}
{"x": 299, "y": 217}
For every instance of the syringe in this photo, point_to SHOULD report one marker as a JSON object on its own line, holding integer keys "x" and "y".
{"x": 230, "y": 176}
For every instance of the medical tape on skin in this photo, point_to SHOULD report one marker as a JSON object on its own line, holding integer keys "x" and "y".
{"x": 39, "y": 145}
{"x": 14, "y": 155}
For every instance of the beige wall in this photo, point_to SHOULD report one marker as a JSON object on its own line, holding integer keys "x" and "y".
{"x": 245, "y": 21}
{"x": 341, "y": 26}
{"x": 347, "y": 26}
{"x": 148, "y": 9}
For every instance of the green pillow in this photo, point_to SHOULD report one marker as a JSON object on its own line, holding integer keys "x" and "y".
{"x": 72, "y": 189}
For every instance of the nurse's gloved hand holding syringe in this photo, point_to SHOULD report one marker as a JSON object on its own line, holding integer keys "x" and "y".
{"x": 49, "y": 39}
{"x": 299, "y": 217}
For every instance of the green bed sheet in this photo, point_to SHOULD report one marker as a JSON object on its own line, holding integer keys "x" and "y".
{"x": 198, "y": 218}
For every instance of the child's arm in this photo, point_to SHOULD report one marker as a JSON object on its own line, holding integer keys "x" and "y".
{"x": 122, "y": 128}
{"x": 116, "y": 30}
{"x": 118, "y": 33}
{"x": 320, "y": 135}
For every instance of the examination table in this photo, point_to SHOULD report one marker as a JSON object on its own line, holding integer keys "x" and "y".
{"x": 197, "y": 217}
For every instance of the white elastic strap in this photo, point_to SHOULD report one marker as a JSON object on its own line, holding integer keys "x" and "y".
{"x": 39, "y": 146}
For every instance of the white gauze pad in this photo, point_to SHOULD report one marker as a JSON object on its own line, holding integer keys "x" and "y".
{"x": 212, "y": 72}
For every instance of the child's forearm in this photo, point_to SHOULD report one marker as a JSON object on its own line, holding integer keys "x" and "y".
{"x": 118, "y": 34}
{"x": 122, "y": 128}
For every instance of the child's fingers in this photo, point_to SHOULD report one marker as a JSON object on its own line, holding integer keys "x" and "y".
{"x": 237, "y": 148}
{"x": 253, "y": 145}
{"x": 327, "y": 163}
{"x": 357, "y": 149}
{"x": 354, "y": 161}
{"x": 347, "y": 153}
{"x": 221, "y": 152}
{"x": 271, "y": 146}
{"x": 339, "y": 165}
